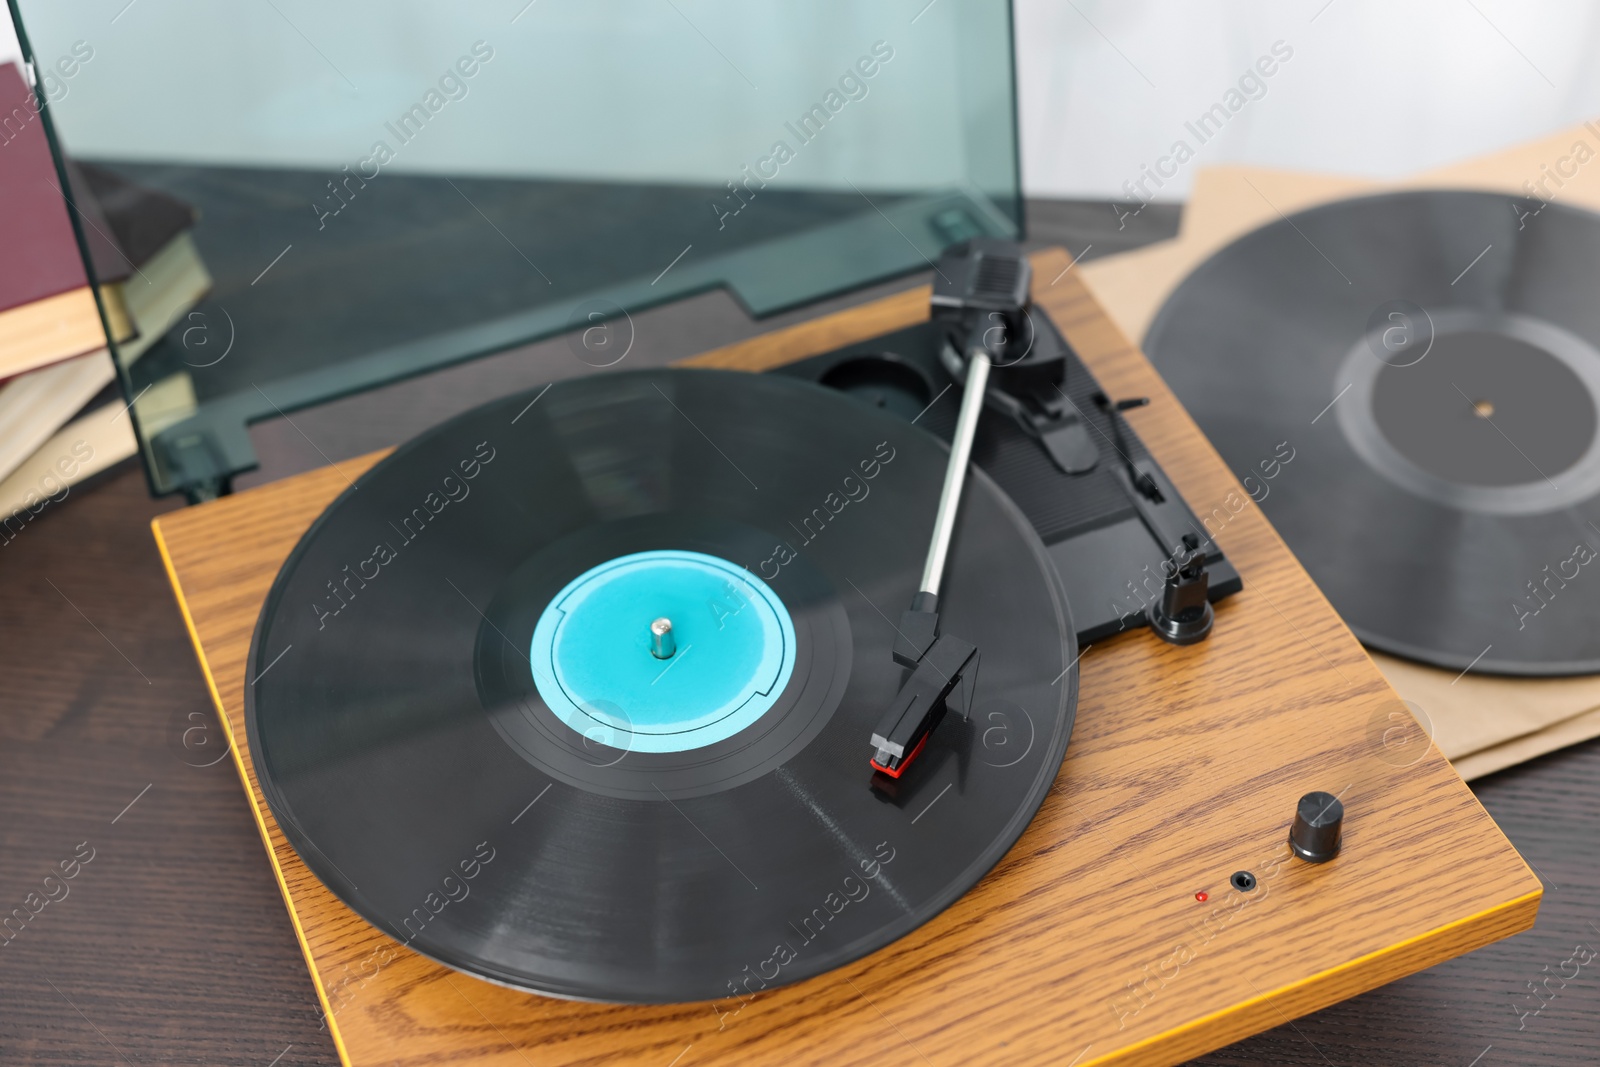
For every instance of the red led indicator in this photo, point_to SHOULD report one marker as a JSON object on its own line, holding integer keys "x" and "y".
{"x": 1202, "y": 896}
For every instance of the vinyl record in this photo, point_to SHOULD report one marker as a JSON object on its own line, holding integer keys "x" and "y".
{"x": 464, "y": 723}
{"x": 1407, "y": 384}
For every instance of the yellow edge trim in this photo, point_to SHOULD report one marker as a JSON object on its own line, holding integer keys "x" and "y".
{"x": 1264, "y": 998}
{"x": 255, "y": 808}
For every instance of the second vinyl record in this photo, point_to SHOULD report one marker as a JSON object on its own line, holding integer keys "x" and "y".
{"x": 1408, "y": 386}
{"x": 460, "y": 720}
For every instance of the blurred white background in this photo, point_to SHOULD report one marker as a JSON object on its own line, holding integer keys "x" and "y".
{"x": 1372, "y": 87}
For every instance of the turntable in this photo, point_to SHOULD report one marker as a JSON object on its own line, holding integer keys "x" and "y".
{"x": 914, "y": 683}
{"x": 1151, "y": 909}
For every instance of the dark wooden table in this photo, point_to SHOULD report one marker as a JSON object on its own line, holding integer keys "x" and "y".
{"x": 171, "y": 945}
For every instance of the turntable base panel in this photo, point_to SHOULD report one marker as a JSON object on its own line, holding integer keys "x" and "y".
{"x": 1087, "y": 944}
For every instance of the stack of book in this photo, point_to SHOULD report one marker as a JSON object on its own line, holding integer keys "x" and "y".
{"x": 60, "y": 418}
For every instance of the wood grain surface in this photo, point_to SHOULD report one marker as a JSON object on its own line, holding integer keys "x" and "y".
{"x": 1087, "y": 940}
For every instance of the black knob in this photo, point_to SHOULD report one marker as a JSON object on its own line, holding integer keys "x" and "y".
{"x": 1183, "y": 615}
{"x": 1318, "y": 821}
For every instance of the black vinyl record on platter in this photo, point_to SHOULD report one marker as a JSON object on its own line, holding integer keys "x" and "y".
{"x": 466, "y": 726}
{"x": 1408, "y": 385}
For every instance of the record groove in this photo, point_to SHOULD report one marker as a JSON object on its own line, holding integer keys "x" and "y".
{"x": 402, "y": 742}
{"x": 1444, "y": 482}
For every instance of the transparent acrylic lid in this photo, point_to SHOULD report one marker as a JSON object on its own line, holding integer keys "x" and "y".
{"x": 383, "y": 188}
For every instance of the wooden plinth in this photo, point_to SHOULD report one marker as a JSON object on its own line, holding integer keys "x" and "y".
{"x": 1087, "y": 944}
